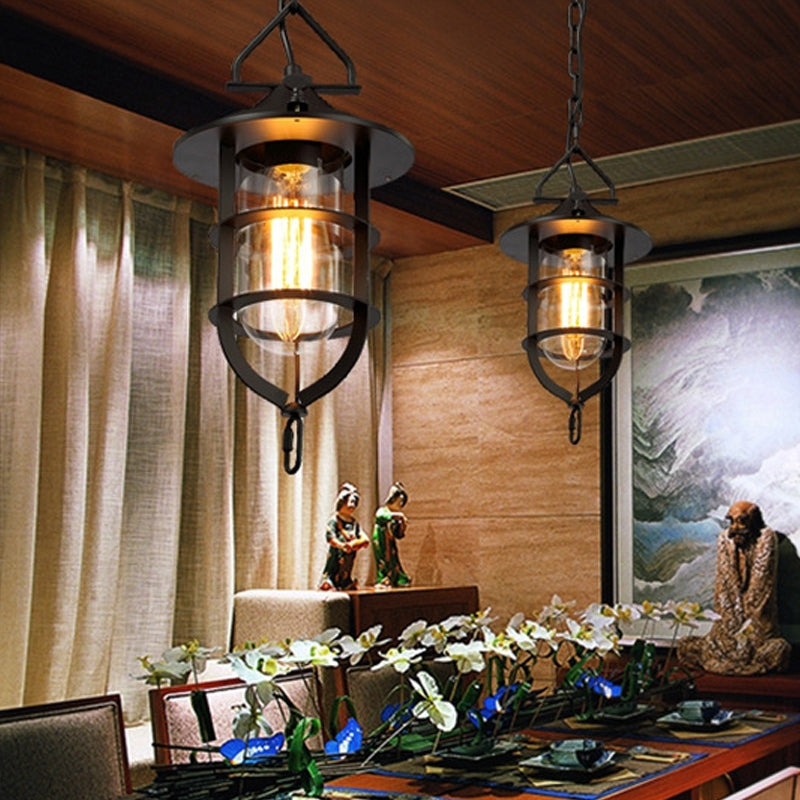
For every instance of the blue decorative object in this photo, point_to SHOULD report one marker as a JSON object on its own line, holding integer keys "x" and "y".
{"x": 391, "y": 713}
{"x": 348, "y": 740}
{"x": 493, "y": 705}
{"x": 599, "y": 685}
{"x": 237, "y": 751}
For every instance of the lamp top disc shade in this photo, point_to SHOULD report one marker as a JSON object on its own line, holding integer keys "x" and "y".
{"x": 515, "y": 242}
{"x": 196, "y": 152}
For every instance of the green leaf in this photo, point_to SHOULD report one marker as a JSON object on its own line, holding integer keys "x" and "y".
{"x": 300, "y": 760}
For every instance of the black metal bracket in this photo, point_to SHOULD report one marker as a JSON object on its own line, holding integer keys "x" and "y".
{"x": 294, "y": 78}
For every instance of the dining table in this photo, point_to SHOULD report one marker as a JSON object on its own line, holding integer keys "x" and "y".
{"x": 648, "y": 760}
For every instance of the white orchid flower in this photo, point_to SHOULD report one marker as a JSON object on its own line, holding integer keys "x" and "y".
{"x": 467, "y": 657}
{"x": 369, "y": 637}
{"x": 455, "y": 621}
{"x": 582, "y": 635}
{"x": 599, "y": 614}
{"x": 354, "y": 649}
{"x": 327, "y": 636}
{"x": 437, "y": 637}
{"x": 272, "y": 667}
{"x": 498, "y": 644}
{"x": 351, "y": 649}
{"x": 522, "y": 640}
{"x": 275, "y": 650}
{"x": 399, "y": 658}
{"x": 175, "y": 654}
{"x": 516, "y": 621}
{"x": 605, "y": 640}
{"x": 482, "y": 619}
{"x": 460, "y": 625}
{"x": 311, "y": 653}
{"x": 556, "y": 611}
{"x": 602, "y": 615}
{"x": 688, "y": 613}
{"x": 412, "y": 634}
{"x": 248, "y": 667}
{"x": 627, "y": 612}
{"x": 155, "y": 673}
{"x": 432, "y": 706}
{"x": 529, "y": 636}
{"x": 589, "y": 638}
{"x": 651, "y": 610}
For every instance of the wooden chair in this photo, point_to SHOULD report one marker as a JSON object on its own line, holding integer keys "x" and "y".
{"x": 261, "y": 615}
{"x": 782, "y": 785}
{"x": 370, "y": 690}
{"x": 175, "y": 728}
{"x": 71, "y": 750}
{"x": 275, "y": 614}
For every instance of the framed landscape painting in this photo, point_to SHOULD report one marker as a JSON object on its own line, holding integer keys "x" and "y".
{"x": 707, "y": 413}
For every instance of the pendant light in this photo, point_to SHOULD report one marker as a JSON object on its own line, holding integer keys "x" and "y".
{"x": 575, "y": 258}
{"x": 293, "y": 177}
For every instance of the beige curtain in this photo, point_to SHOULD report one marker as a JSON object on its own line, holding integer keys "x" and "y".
{"x": 280, "y": 518}
{"x": 23, "y": 282}
{"x": 140, "y": 484}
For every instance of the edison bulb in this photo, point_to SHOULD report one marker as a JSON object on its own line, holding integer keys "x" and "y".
{"x": 292, "y": 250}
{"x": 574, "y": 302}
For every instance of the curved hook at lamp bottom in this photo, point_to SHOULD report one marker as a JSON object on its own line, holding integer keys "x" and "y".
{"x": 293, "y": 438}
{"x": 575, "y": 422}
{"x": 295, "y": 410}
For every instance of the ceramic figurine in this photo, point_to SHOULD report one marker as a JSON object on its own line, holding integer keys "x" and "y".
{"x": 746, "y": 639}
{"x": 345, "y": 538}
{"x": 390, "y": 525}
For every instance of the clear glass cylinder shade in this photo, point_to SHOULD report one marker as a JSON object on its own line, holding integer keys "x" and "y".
{"x": 292, "y": 250}
{"x": 573, "y": 302}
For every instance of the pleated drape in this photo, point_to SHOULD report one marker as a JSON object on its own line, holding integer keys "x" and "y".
{"x": 140, "y": 483}
{"x": 23, "y": 284}
{"x": 281, "y": 519}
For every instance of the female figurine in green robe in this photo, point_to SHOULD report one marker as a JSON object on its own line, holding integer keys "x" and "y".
{"x": 390, "y": 525}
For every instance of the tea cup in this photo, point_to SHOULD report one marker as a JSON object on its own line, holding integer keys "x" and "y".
{"x": 698, "y": 710}
{"x": 578, "y": 753}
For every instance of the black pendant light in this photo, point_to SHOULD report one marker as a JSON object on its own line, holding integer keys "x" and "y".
{"x": 294, "y": 234}
{"x": 575, "y": 258}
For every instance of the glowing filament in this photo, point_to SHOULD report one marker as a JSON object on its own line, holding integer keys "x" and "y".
{"x": 576, "y": 306}
{"x": 291, "y": 265}
{"x": 574, "y": 301}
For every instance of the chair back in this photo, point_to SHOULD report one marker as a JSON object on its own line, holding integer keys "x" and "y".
{"x": 71, "y": 750}
{"x": 176, "y": 733}
{"x": 275, "y": 614}
{"x": 371, "y": 690}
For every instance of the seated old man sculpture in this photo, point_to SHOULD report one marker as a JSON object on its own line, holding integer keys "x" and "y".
{"x": 746, "y": 639}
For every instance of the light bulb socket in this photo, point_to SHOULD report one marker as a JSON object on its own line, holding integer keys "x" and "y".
{"x": 320, "y": 155}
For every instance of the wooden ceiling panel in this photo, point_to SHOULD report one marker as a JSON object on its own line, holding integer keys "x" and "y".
{"x": 70, "y": 126}
{"x": 479, "y": 87}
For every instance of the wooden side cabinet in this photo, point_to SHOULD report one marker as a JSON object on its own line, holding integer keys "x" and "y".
{"x": 397, "y": 608}
{"x": 779, "y": 691}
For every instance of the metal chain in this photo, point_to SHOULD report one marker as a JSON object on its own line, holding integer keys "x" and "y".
{"x": 575, "y": 17}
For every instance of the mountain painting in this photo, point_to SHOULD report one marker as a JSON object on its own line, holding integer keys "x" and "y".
{"x": 715, "y": 419}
